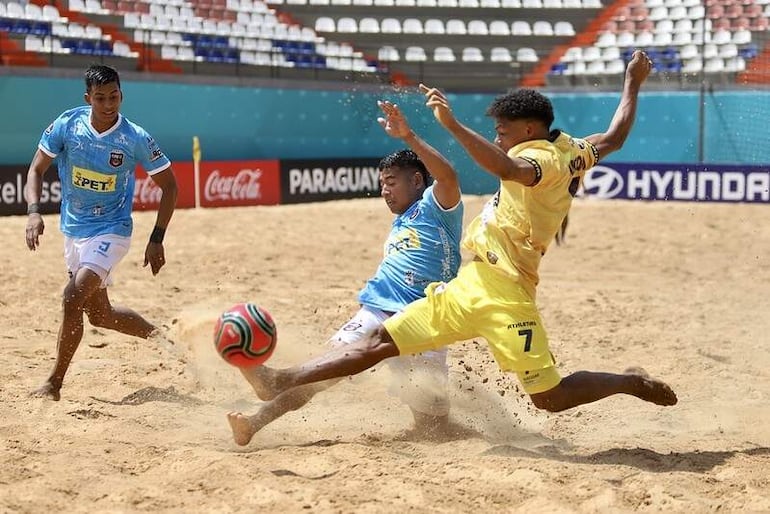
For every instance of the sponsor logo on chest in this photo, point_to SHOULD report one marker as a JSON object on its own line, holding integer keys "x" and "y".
{"x": 93, "y": 180}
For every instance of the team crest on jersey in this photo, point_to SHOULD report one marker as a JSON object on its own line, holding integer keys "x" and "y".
{"x": 116, "y": 159}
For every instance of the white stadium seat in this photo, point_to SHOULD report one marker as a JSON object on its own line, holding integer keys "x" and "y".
{"x": 500, "y": 54}
{"x": 415, "y": 53}
{"x": 412, "y": 26}
{"x": 367, "y": 26}
{"x": 390, "y": 26}
{"x": 525, "y": 54}
{"x": 443, "y": 54}
{"x": 434, "y": 26}
{"x": 325, "y": 24}
{"x": 472, "y": 54}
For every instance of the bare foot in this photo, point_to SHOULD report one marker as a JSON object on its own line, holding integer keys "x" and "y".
{"x": 242, "y": 429}
{"x": 652, "y": 389}
{"x": 47, "y": 390}
{"x": 262, "y": 380}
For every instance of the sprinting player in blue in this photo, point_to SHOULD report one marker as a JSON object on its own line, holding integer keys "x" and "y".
{"x": 423, "y": 247}
{"x": 97, "y": 150}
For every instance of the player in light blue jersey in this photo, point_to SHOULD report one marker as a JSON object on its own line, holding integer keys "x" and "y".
{"x": 423, "y": 247}
{"x": 97, "y": 150}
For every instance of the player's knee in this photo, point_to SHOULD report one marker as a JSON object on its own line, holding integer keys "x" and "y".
{"x": 72, "y": 299}
{"x": 382, "y": 345}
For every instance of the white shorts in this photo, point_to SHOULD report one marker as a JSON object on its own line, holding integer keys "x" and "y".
{"x": 419, "y": 380}
{"x": 100, "y": 254}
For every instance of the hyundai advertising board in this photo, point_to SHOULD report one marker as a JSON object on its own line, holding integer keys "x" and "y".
{"x": 683, "y": 182}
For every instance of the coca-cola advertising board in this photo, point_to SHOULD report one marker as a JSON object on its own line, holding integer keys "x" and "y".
{"x": 147, "y": 194}
{"x": 234, "y": 183}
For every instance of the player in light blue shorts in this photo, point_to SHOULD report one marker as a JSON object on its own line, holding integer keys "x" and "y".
{"x": 423, "y": 247}
{"x": 97, "y": 150}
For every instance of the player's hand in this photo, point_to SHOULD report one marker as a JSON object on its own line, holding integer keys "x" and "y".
{"x": 436, "y": 100}
{"x": 638, "y": 67}
{"x": 35, "y": 228}
{"x": 394, "y": 123}
{"x": 154, "y": 256}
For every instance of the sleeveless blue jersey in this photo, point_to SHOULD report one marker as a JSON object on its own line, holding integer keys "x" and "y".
{"x": 423, "y": 247}
{"x": 96, "y": 171}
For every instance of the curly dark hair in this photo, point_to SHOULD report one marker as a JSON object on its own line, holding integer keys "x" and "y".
{"x": 405, "y": 160}
{"x": 525, "y": 104}
{"x": 101, "y": 74}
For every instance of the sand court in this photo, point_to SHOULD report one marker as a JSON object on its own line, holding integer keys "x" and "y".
{"x": 680, "y": 289}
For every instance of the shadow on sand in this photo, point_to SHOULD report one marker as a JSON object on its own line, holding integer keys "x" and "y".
{"x": 640, "y": 458}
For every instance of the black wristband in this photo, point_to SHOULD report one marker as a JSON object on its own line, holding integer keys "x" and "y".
{"x": 157, "y": 235}
{"x": 33, "y": 208}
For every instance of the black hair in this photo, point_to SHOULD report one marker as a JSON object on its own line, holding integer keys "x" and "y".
{"x": 405, "y": 160}
{"x": 101, "y": 74}
{"x": 525, "y": 104}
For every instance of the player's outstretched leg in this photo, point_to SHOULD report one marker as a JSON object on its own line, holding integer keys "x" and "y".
{"x": 101, "y": 313}
{"x": 244, "y": 427}
{"x": 340, "y": 362}
{"x": 586, "y": 386}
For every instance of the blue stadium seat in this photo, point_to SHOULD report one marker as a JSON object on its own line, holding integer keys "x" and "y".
{"x": 669, "y": 54}
{"x": 22, "y": 27}
{"x": 204, "y": 41}
{"x": 748, "y": 52}
{"x": 232, "y": 56}
{"x": 103, "y": 48}
{"x": 559, "y": 68}
{"x": 71, "y": 44}
{"x": 627, "y": 54}
{"x": 85, "y": 47}
{"x": 307, "y": 47}
{"x": 319, "y": 61}
{"x": 41, "y": 29}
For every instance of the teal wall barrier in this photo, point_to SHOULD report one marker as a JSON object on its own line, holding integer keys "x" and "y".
{"x": 236, "y": 122}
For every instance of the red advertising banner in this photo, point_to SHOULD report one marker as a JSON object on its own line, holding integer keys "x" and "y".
{"x": 232, "y": 183}
{"x": 147, "y": 194}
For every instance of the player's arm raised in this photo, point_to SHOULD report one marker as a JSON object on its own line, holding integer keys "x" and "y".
{"x": 620, "y": 126}
{"x": 447, "y": 186}
{"x": 486, "y": 154}
{"x": 35, "y": 226}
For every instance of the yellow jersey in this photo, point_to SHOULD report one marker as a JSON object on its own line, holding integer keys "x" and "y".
{"x": 516, "y": 226}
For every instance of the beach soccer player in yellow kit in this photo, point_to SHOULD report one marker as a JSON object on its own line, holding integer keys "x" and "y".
{"x": 493, "y": 296}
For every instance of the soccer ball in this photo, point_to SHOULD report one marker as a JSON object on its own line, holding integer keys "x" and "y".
{"x": 245, "y": 335}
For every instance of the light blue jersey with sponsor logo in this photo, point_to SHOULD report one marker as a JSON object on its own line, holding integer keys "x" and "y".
{"x": 423, "y": 247}
{"x": 96, "y": 171}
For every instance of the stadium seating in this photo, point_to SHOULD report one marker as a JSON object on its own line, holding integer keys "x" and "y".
{"x": 496, "y": 43}
{"x": 683, "y": 38}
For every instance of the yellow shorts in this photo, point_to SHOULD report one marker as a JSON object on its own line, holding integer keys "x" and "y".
{"x": 480, "y": 302}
